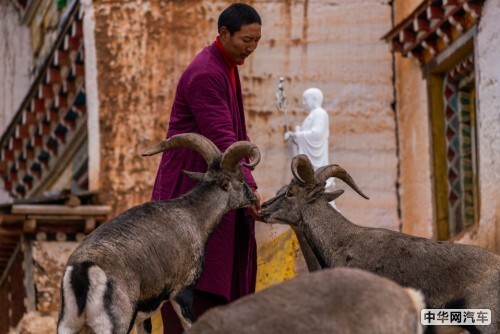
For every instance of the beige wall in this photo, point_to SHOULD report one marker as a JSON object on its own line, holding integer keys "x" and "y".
{"x": 414, "y": 148}
{"x": 414, "y": 139}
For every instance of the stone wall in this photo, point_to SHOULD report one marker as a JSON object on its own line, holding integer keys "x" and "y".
{"x": 49, "y": 259}
{"x": 36, "y": 323}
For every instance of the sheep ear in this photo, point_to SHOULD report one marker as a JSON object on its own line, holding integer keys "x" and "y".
{"x": 224, "y": 184}
{"x": 330, "y": 196}
{"x": 199, "y": 177}
{"x": 314, "y": 194}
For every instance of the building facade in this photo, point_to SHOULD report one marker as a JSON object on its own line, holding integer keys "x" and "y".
{"x": 448, "y": 119}
{"x": 87, "y": 86}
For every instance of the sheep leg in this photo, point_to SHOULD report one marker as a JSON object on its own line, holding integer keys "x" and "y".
{"x": 144, "y": 327}
{"x": 70, "y": 325}
{"x": 67, "y": 326}
{"x": 108, "y": 309}
{"x": 71, "y": 321}
{"x": 308, "y": 254}
{"x": 183, "y": 306}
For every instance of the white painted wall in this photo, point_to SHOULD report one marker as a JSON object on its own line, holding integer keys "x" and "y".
{"x": 15, "y": 62}
{"x": 94, "y": 135}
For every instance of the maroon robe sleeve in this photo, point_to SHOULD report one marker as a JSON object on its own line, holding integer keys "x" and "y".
{"x": 211, "y": 111}
{"x": 213, "y": 114}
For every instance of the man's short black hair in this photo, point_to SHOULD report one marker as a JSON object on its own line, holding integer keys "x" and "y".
{"x": 237, "y": 15}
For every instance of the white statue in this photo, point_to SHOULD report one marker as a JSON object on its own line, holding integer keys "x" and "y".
{"x": 311, "y": 138}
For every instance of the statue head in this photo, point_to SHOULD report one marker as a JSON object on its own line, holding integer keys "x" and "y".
{"x": 312, "y": 98}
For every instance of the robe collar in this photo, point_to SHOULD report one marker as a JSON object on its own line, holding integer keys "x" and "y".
{"x": 228, "y": 59}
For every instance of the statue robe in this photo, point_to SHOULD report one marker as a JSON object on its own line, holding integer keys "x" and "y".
{"x": 312, "y": 137}
{"x": 207, "y": 103}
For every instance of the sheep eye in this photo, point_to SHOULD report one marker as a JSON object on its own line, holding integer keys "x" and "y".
{"x": 288, "y": 193}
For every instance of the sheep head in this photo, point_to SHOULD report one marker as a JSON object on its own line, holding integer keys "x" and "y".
{"x": 307, "y": 186}
{"x": 223, "y": 169}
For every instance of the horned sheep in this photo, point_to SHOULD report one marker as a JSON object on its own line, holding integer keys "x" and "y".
{"x": 125, "y": 269}
{"x": 450, "y": 275}
{"x": 341, "y": 300}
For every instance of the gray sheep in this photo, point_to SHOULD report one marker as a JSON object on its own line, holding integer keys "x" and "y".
{"x": 128, "y": 267}
{"x": 341, "y": 300}
{"x": 453, "y": 276}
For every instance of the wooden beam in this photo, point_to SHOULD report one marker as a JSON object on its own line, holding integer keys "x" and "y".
{"x": 29, "y": 276}
{"x": 29, "y": 226}
{"x": 41, "y": 236}
{"x": 68, "y": 229}
{"x": 84, "y": 210}
{"x": 407, "y": 36}
{"x": 90, "y": 225}
{"x": 29, "y": 118}
{"x": 73, "y": 201}
{"x": 10, "y": 232}
{"x": 420, "y": 24}
{"x": 56, "y": 219}
{"x": 61, "y": 236}
{"x": 4, "y": 166}
{"x": 9, "y": 241}
{"x": 4, "y": 246}
{"x": 9, "y": 264}
{"x": 8, "y": 154}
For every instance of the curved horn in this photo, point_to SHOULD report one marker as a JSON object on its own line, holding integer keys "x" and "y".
{"x": 237, "y": 151}
{"x": 324, "y": 173}
{"x": 302, "y": 169}
{"x": 194, "y": 141}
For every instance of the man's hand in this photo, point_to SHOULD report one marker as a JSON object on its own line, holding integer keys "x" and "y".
{"x": 255, "y": 209}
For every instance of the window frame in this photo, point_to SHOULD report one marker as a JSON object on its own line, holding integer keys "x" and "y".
{"x": 434, "y": 72}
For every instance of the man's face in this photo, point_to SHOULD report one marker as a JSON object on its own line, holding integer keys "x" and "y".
{"x": 243, "y": 42}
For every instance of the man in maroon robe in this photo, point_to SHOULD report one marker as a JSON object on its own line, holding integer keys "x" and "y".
{"x": 209, "y": 101}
